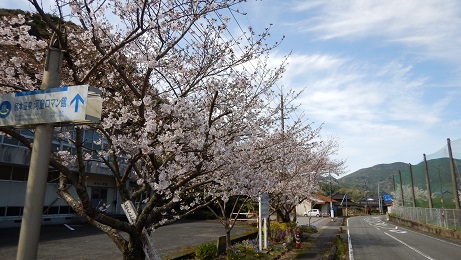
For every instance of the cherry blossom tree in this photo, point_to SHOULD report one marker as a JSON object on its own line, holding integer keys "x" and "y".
{"x": 242, "y": 181}
{"x": 178, "y": 98}
{"x": 303, "y": 157}
{"x": 285, "y": 166}
{"x": 420, "y": 195}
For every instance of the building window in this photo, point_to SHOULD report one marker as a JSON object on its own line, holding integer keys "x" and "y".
{"x": 98, "y": 197}
{"x": 5, "y": 172}
{"x": 10, "y": 140}
{"x": 51, "y": 210}
{"x": 14, "y": 211}
{"x": 53, "y": 177}
{"x": 2, "y": 211}
{"x": 64, "y": 210}
{"x": 20, "y": 174}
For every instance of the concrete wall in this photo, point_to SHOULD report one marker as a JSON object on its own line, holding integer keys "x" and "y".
{"x": 448, "y": 233}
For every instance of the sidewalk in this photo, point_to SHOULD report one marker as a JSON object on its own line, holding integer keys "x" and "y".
{"x": 321, "y": 243}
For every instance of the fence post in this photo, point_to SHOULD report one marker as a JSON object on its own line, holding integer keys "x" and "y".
{"x": 401, "y": 189}
{"x": 412, "y": 186}
{"x": 453, "y": 175}
{"x": 428, "y": 183}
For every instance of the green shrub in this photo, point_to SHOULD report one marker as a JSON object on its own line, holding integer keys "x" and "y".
{"x": 206, "y": 251}
{"x": 308, "y": 229}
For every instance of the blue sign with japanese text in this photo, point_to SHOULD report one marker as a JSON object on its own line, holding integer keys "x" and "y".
{"x": 54, "y": 105}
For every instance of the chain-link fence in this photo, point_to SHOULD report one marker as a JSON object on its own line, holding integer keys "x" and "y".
{"x": 446, "y": 218}
{"x": 431, "y": 183}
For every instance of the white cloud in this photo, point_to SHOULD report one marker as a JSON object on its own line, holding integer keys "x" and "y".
{"x": 430, "y": 27}
{"x": 380, "y": 108}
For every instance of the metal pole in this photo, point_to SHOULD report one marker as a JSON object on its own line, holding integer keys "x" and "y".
{"x": 366, "y": 198}
{"x": 332, "y": 212}
{"x": 401, "y": 189}
{"x": 393, "y": 182}
{"x": 428, "y": 183}
{"x": 265, "y": 232}
{"x": 38, "y": 171}
{"x": 347, "y": 214}
{"x": 379, "y": 200}
{"x": 260, "y": 220}
{"x": 453, "y": 175}
{"x": 412, "y": 185}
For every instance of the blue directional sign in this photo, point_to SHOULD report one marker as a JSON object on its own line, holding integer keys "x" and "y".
{"x": 387, "y": 198}
{"x": 66, "y": 105}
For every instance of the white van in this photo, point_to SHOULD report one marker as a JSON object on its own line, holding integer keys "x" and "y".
{"x": 312, "y": 213}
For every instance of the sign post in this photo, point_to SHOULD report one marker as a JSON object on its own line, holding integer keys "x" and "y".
{"x": 263, "y": 214}
{"x": 42, "y": 109}
{"x": 38, "y": 169}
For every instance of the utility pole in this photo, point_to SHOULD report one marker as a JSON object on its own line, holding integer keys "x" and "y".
{"x": 332, "y": 211}
{"x": 366, "y": 198}
{"x": 38, "y": 171}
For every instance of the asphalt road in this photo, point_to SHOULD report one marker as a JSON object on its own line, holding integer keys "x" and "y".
{"x": 372, "y": 237}
{"x": 87, "y": 242}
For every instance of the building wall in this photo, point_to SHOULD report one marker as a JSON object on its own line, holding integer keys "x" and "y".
{"x": 14, "y": 169}
{"x": 303, "y": 207}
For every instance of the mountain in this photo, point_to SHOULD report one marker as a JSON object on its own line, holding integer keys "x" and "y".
{"x": 368, "y": 178}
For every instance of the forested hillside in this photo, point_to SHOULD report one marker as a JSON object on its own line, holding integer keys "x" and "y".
{"x": 368, "y": 178}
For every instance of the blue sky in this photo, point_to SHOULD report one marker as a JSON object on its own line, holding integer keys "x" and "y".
{"x": 382, "y": 76}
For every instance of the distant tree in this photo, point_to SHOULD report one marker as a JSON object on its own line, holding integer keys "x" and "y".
{"x": 325, "y": 188}
{"x": 352, "y": 194}
{"x": 420, "y": 195}
{"x": 303, "y": 157}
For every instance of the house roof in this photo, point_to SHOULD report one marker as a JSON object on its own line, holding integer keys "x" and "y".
{"x": 320, "y": 199}
{"x": 340, "y": 196}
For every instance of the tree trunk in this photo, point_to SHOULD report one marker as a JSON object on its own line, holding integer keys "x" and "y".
{"x": 228, "y": 238}
{"x": 134, "y": 254}
{"x": 134, "y": 250}
{"x": 283, "y": 216}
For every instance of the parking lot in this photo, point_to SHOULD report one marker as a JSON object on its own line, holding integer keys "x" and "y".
{"x": 87, "y": 242}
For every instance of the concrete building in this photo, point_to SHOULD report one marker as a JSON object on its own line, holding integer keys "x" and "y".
{"x": 14, "y": 169}
{"x": 315, "y": 201}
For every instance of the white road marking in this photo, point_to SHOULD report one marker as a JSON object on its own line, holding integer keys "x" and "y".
{"x": 351, "y": 252}
{"x": 412, "y": 248}
{"x": 435, "y": 238}
{"x": 69, "y": 227}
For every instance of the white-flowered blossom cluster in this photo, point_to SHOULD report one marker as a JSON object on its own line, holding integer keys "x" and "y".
{"x": 187, "y": 117}
{"x": 20, "y": 53}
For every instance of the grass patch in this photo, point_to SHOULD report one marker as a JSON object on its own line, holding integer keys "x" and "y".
{"x": 341, "y": 249}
